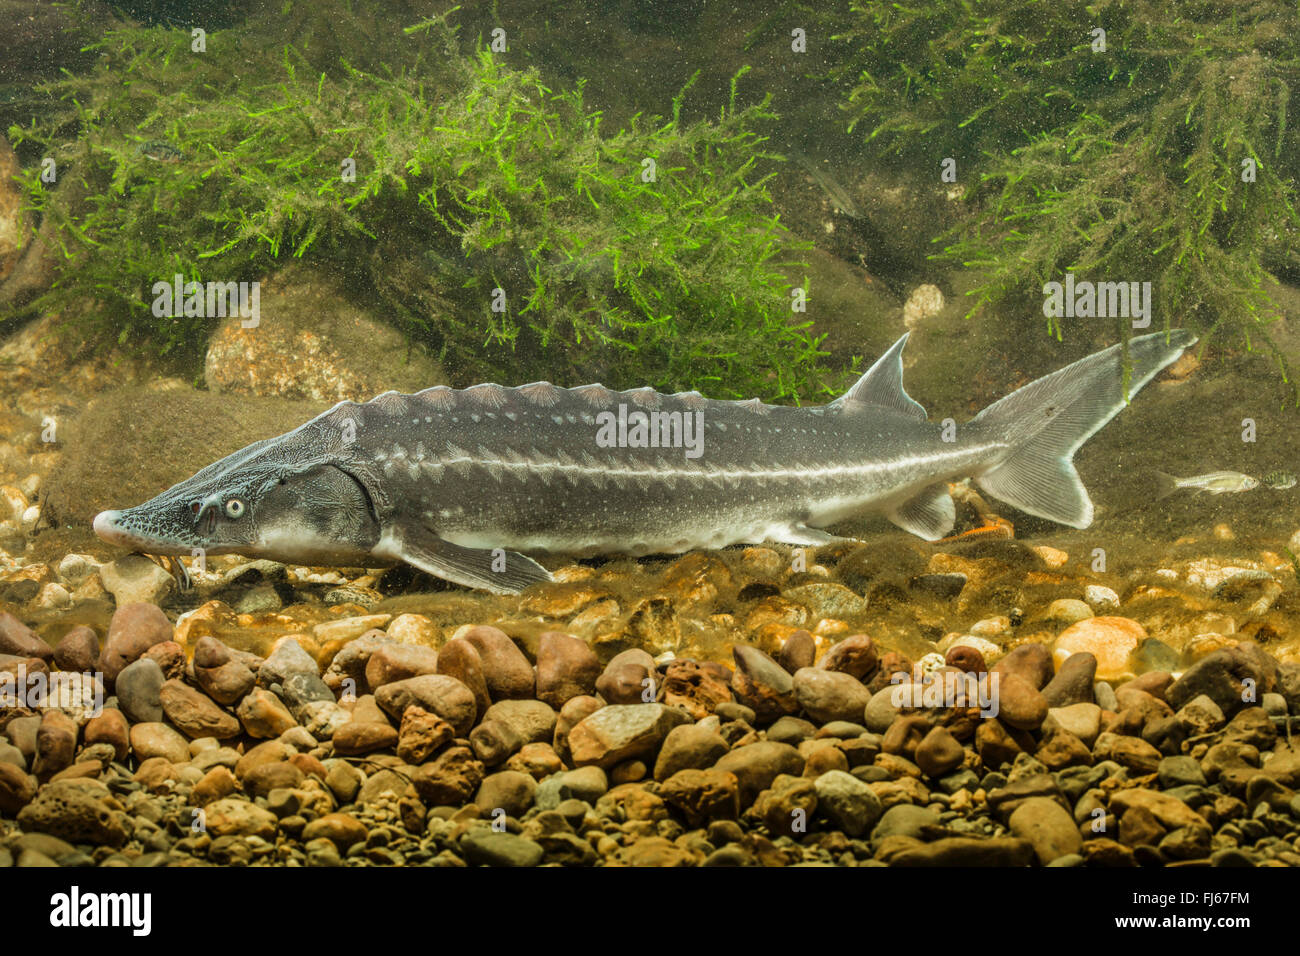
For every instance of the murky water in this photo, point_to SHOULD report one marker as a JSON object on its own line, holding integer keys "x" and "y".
{"x": 868, "y": 224}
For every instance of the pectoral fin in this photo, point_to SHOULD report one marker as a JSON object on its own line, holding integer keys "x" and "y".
{"x": 496, "y": 570}
{"x": 929, "y": 515}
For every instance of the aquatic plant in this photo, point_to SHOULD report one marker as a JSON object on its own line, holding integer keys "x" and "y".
{"x": 1123, "y": 163}
{"x": 650, "y": 255}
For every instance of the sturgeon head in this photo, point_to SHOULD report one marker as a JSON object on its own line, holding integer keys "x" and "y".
{"x": 288, "y": 499}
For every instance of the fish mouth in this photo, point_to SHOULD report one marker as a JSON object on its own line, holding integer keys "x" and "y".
{"x": 108, "y": 526}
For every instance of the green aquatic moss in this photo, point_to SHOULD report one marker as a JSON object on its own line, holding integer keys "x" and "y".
{"x": 470, "y": 177}
{"x": 1122, "y": 165}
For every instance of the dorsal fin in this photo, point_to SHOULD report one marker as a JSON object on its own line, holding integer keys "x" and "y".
{"x": 882, "y": 385}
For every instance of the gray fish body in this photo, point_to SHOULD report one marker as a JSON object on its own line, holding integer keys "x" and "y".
{"x": 528, "y": 476}
{"x": 460, "y": 482}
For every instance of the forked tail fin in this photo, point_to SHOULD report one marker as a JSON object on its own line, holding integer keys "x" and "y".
{"x": 1046, "y": 421}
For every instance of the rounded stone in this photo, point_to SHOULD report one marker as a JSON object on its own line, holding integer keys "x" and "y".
{"x": 827, "y": 695}
{"x": 437, "y": 693}
{"x": 133, "y": 629}
{"x": 1109, "y": 639}
{"x": 139, "y": 688}
{"x": 506, "y": 670}
{"x": 78, "y": 650}
{"x": 566, "y": 668}
{"x": 939, "y": 753}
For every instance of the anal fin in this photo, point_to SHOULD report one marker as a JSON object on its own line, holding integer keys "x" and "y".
{"x": 929, "y": 515}
{"x": 501, "y": 572}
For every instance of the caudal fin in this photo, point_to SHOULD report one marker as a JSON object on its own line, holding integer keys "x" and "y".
{"x": 1047, "y": 421}
{"x": 1166, "y": 485}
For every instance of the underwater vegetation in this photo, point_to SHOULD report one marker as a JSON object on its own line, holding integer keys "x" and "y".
{"x": 1158, "y": 150}
{"x": 440, "y": 187}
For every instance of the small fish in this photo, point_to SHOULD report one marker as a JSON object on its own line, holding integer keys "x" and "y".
{"x": 1279, "y": 480}
{"x": 822, "y": 177}
{"x": 1216, "y": 483}
{"x": 160, "y": 152}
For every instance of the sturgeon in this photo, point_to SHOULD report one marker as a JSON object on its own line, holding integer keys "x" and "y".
{"x": 462, "y": 483}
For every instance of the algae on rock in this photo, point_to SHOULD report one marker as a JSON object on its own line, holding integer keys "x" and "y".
{"x": 1120, "y": 141}
{"x": 485, "y": 212}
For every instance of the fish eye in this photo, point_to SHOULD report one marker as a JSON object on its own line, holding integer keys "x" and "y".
{"x": 234, "y": 508}
{"x": 195, "y": 505}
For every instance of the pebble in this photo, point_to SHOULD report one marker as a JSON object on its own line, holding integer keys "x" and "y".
{"x": 688, "y": 747}
{"x": 566, "y": 668}
{"x": 1101, "y": 598}
{"x": 18, "y": 639}
{"x": 413, "y": 629}
{"x": 74, "y": 569}
{"x": 905, "y": 820}
{"x": 422, "y": 734}
{"x": 1111, "y": 640}
{"x": 756, "y": 765}
{"x": 343, "y": 830}
{"x": 56, "y": 743}
{"x": 798, "y": 650}
{"x": 17, "y": 789}
{"x": 762, "y": 685}
{"x": 939, "y": 753}
{"x": 79, "y": 811}
{"x": 460, "y": 659}
{"x": 849, "y": 803}
{"x": 437, "y": 693}
{"x": 698, "y": 688}
{"x": 966, "y": 852}
{"x": 532, "y": 721}
{"x": 1047, "y": 827}
{"x": 389, "y": 663}
{"x": 286, "y": 659}
{"x": 263, "y": 715}
{"x": 135, "y": 579}
{"x": 1031, "y": 662}
{"x": 629, "y": 678}
{"x": 856, "y": 656}
{"x": 195, "y": 714}
{"x": 362, "y": 737}
{"x": 1020, "y": 705}
{"x": 1221, "y": 676}
{"x": 138, "y": 689}
{"x": 220, "y": 675}
{"x": 78, "y": 650}
{"x": 703, "y": 795}
{"x": 1082, "y": 720}
{"x": 347, "y": 628}
{"x": 827, "y": 695}
{"x": 484, "y": 847}
{"x": 1179, "y": 771}
{"x": 1200, "y": 715}
{"x": 787, "y": 806}
{"x": 1073, "y": 682}
{"x": 509, "y": 791}
{"x": 881, "y": 710}
{"x": 506, "y": 670}
{"x": 621, "y": 732}
{"x": 134, "y": 628}
{"x": 158, "y": 740}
